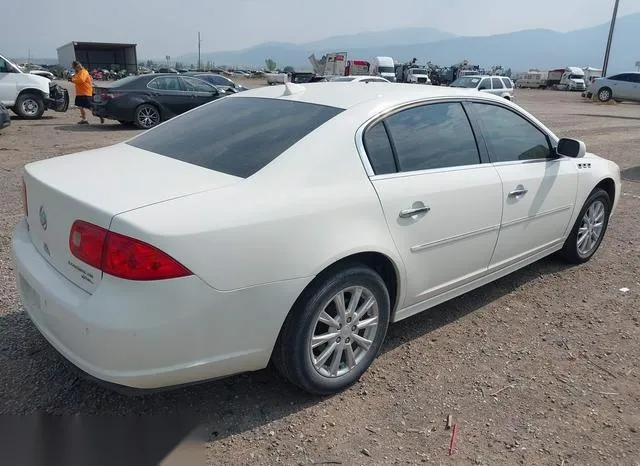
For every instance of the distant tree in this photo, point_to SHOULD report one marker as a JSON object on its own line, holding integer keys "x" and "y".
{"x": 270, "y": 64}
{"x": 288, "y": 69}
{"x": 508, "y": 73}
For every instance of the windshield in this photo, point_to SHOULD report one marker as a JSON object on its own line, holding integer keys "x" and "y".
{"x": 7, "y": 66}
{"x": 418, "y": 71}
{"x": 386, "y": 69}
{"x": 466, "y": 81}
{"x": 575, "y": 76}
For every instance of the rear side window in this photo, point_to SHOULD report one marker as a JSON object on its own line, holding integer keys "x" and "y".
{"x": 235, "y": 135}
{"x": 378, "y": 147}
{"x": 433, "y": 136}
{"x": 507, "y": 82}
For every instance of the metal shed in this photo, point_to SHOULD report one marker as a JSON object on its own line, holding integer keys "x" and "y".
{"x": 99, "y": 55}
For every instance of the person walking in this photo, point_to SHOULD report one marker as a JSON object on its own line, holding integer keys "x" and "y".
{"x": 84, "y": 91}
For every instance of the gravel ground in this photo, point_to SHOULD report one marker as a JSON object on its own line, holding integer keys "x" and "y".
{"x": 540, "y": 367}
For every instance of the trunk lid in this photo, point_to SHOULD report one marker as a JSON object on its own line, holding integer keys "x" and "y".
{"x": 95, "y": 186}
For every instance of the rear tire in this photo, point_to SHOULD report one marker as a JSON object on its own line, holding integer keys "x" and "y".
{"x": 589, "y": 230}
{"x": 29, "y": 106}
{"x": 147, "y": 116}
{"x": 303, "y": 353}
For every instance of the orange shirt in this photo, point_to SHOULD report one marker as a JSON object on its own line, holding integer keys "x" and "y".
{"x": 82, "y": 81}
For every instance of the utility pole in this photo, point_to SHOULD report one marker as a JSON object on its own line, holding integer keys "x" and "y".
{"x": 199, "y": 41}
{"x": 608, "y": 50}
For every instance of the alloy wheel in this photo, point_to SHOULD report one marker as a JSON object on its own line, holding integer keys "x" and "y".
{"x": 591, "y": 228}
{"x": 148, "y": 117}
{"x": 344, "y": 331}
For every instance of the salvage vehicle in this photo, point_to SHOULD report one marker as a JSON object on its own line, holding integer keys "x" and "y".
{"x": 418, "y": 76}
{"x": 149, "y": 99}
{"x": 384, "y": 67}
{"x": 293, "y": 224}
{"x": 497, "y": 85}
{"x": 5, "y": 118}
{"x": 29, "y": 95}
{"x": 620, "y": 87}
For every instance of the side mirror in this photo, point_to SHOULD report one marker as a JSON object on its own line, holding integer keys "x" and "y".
{"x": 571, "y": 148}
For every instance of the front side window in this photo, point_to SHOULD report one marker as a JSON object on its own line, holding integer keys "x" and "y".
{"x": 196, "y": 85}
{"x": 509, "y": 136}
{"x": 433, "y": 136}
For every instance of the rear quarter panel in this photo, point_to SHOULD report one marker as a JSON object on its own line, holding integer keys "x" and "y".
{"x": 307, "y": 209}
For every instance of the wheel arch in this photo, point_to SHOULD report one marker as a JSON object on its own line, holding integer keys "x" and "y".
{"x": 31, "y": 90}
{"x": 609, "y": 186}
{"x": 385, "y": 266}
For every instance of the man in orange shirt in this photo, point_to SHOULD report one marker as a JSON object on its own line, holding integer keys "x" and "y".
{"x": 84, "y": 91}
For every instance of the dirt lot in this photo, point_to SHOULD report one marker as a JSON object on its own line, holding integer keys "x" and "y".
{"x": 541, "y": 367}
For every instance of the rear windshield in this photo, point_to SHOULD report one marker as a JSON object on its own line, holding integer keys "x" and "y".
{"x": 235, "y": 135}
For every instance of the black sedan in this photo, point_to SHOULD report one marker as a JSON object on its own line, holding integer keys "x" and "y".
{"x": 148, "y": 100}
{"x": 217, "y": 80}
{"x": 5, "y": 118}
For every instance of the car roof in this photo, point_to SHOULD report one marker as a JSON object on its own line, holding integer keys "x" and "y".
{"x": 345, "y": 95}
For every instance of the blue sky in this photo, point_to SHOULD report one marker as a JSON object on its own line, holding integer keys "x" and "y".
{"x": 169, "y": 27}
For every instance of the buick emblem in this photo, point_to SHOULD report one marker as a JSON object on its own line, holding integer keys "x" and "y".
{"x": 43, "y": 218}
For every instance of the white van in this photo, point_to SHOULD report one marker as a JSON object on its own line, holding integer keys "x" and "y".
{"x": 384, "y": 66}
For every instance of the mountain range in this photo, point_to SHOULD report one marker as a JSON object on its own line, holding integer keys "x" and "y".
{"x": 520, "y": 50}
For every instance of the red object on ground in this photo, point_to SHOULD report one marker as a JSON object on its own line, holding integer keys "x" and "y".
{"x": 454, "y": 437}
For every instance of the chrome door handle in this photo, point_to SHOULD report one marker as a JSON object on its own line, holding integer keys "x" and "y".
{"x": 518, "y": 192}
{"x": 415, "y": 211}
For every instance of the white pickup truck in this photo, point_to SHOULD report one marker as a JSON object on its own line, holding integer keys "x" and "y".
{"x": 29, "y": 95}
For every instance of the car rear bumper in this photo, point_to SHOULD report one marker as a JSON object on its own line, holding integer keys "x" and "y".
{"x": 150, "y": 335}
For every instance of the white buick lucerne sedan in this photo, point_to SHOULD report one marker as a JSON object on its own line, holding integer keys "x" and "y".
{"x": 293, "y": 224}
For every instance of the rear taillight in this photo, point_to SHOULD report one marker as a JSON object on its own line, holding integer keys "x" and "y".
{"x": 25, "y": 206}
{"x": 86, "y": 242}
{"x": 120, "y": 255}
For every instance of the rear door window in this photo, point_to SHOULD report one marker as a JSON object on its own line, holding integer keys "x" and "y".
{"x": 235, "y": 135}
{"x": 497, "y": 83}
{"x": 378, "y": 147}
{"x": 433, "y": 136}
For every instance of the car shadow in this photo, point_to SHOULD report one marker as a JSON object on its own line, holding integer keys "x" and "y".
{"x": 15, "y": 117}
{"x": 224, "y": 407}
{"x": 96, "y": 127}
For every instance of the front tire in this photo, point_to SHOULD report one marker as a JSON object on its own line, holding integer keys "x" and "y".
{"x": 605, "y": 94}
{"x": 147, "y": 116}
{"x": 588, "y": 231}
{"x": 29, "y": 106}
{"x": 335, "y": 331}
